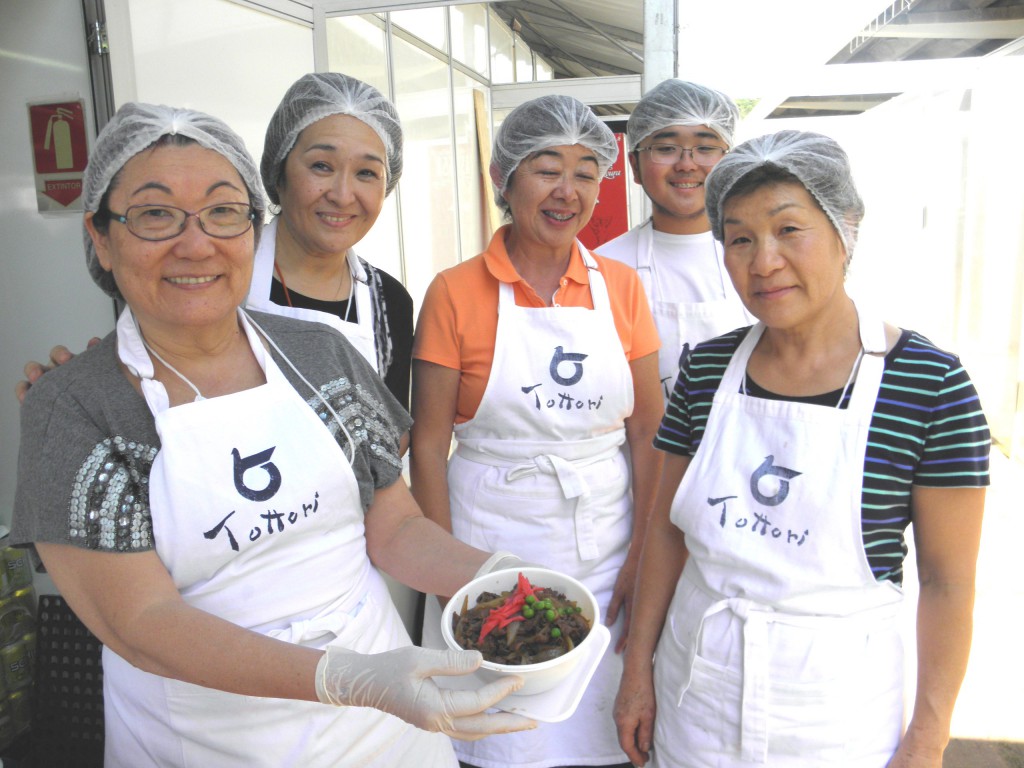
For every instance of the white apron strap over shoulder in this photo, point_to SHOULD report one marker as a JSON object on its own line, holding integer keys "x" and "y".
{"x": 684, "y": 324}
{"x": 359, "y": 333}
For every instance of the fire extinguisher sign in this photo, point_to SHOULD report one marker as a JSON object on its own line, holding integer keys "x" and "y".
{"x": 59, "y": 154}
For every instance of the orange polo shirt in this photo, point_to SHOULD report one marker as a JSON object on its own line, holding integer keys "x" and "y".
{"x": 458, "y": 321}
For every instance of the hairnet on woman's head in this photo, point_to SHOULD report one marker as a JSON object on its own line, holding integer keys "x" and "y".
{"x": 544, "y": 122}
{"x": 678, "y": 102}
{"x": 132, "y": 129}
{"x": 816, "y": 161}
{"x": 321, "y": 94}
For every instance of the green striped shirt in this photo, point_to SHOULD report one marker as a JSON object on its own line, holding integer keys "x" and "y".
{"x": 927, "y": 429}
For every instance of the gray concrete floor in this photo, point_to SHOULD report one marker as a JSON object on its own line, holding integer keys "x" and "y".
{"x": 967, "y": 753}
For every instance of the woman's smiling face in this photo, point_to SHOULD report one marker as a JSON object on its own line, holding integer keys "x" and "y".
{"x": 551, "y": 195}
{"x": 192, "y": 279}
{"x": 333, "y": 186}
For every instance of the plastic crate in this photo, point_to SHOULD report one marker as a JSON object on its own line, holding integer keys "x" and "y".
{"x": 67, "y": 700}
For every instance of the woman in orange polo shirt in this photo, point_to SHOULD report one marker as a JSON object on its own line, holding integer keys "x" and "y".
{"x": 542, "y": 358}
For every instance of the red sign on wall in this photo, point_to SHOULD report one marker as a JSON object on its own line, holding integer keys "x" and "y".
{"x": 59, "y": 150}
{"x": 611, "y": 214}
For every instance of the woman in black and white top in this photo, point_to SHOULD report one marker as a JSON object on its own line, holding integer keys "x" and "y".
{"x": 333, "y": 152}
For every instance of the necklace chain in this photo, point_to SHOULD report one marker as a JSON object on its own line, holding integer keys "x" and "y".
{"x": 341, "y": 279}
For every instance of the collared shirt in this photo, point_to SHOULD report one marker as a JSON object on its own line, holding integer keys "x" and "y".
{"x": 458, "y": 321}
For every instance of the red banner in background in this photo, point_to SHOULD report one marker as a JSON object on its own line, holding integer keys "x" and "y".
{"x": 611, "y": 214}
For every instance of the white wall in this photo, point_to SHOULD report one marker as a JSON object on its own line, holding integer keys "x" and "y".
{"x": 212, "y": 55}
{"x": 48, "y": 296}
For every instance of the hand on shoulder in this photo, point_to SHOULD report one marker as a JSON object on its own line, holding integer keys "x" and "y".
{"x": 34, "y": 370}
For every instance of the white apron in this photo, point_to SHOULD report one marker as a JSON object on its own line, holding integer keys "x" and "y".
{"x": 541, "y": 471}
{"x": 359, "y": 333}
{"x": 257, "y": 517}
{"x": 683, "y": 325}
{"x": 780, "y": 647}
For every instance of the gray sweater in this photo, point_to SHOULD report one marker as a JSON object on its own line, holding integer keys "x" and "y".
{"x": 88, "y": 439}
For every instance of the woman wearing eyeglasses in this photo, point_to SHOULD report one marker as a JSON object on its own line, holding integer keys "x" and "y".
{"x": 676, "y": 133}
{"x": 213, "y": 491}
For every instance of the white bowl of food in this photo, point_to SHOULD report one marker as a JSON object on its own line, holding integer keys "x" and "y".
{"x": 540, "y": 639}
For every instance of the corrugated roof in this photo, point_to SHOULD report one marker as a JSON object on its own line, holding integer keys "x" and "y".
{"x": 588, "y": 38}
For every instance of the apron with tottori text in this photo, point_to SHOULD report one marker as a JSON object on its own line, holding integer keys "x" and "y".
{"x": 684, "y": 324}
{"x": 360, "y": 333}
{"x": 541, "y": 471}
{"x": 257, "y": 517}
{"x": 780, "y": 648}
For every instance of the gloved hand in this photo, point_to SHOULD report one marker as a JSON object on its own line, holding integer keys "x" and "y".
{"x": 499, "y": 561}
{"x": 398, "y": 682}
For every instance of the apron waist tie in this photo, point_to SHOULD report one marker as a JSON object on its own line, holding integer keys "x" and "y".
{"x": 574, "y": 486}
{"x": 571, "y": 481}
{"x": 756, "y": 619}
{"x": 753, "y": 704}
{"x": 331, "y": 622}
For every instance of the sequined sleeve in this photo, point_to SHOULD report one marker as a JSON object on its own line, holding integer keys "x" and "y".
{"x": 87, "y": 448}
{"x": 109, "y": 506}
{"x": 374, "y": 434}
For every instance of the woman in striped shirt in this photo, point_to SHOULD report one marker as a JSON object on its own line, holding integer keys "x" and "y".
{"x": 799, "y": 450}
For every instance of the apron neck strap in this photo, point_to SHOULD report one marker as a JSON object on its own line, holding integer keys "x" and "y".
{"x": 872, "y": 350}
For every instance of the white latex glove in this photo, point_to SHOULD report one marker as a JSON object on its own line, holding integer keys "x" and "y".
{"x": 499, "y": 561}
{"x": 398, "y": 682}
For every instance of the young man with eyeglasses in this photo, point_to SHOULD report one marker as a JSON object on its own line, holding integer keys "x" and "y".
{"x": 676, "y": 134}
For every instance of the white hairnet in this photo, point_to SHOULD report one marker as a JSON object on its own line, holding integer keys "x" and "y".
{"x": 135, "y": 127}
{"x": 678, "y": 102}
{"x": 816, "y": 161}
{"x": 544, "y": 122}
{"x": 321, "y": 94}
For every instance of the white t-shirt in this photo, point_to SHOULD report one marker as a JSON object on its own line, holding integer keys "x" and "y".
{"x": 685, "y": 268}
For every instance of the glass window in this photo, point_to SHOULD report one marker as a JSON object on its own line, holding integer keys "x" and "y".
{"x": 426, "y": 23}
{"x": 543, "y": 68}
{"x": 470, "y": 111}
{"x": 355, "y": 46}
{"x": 429, "y": 232}
{"x": 502, "y": 52}
{"x": 469, "y": 36}
{"x": 524, "y": 61}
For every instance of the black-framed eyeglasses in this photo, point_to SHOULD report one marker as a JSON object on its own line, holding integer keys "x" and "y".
{"x": 162, "y": 222}
{"x": 670, "y": 154}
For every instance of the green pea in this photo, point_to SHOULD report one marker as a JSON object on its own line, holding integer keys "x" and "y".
{"x": 530, "y": 599}
{"x": 556, "y": 632}
{"x": 549, "y": 615}
{"x": 528, "y": 612}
